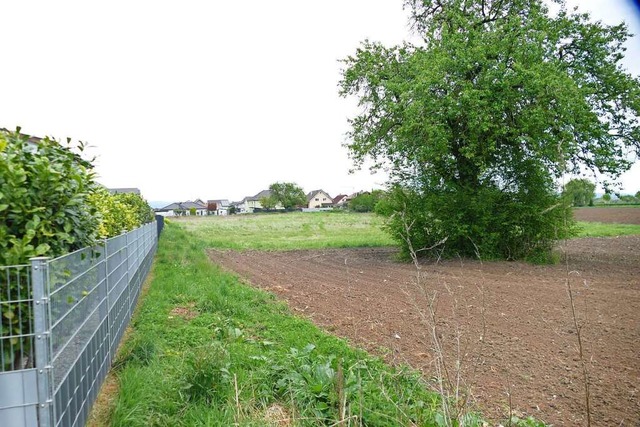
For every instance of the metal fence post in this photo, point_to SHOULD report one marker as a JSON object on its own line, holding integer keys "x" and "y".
{"x": 107, "y": 301}
{"x": 129, "y": 277}
{"x": 39, "y": 283}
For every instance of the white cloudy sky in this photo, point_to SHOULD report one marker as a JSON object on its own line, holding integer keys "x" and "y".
{"x": 205, "y": 99}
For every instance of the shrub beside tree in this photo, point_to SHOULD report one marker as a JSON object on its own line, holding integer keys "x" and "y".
{"x": 138, "y": 207}
{"x": 118, "y": 213}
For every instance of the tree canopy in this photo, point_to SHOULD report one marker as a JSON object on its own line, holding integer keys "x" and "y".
{"x": 288, "y": 194}
{"x": 366, "y": 201}
{"x": 476, "y": 123}
{"x": 580, "y": 192}
{"x": 268, "y": 203}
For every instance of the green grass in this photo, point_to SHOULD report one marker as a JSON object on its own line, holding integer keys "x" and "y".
{"x": 613, "y": 205}
{"x": 242, "y": 353}
{"x": 322, "y": 230}
{"x": 600, "y": 229}
{"x": 294, "y": 230}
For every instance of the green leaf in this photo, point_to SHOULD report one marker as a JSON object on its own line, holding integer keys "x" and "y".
{"x": 42, "y": 249}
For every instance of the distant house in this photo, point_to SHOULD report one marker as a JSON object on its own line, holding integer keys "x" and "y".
{"x": 340, "y": 200}
{"x": 124, "y": 190}
{"x": 183, "y": 208}
{"x": 319, "y": 199}
{"x": 218, "y": 206}
{"x": 252, "y": 204}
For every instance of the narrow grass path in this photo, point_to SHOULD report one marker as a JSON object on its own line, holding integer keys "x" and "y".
{"x": 205, "y": 349}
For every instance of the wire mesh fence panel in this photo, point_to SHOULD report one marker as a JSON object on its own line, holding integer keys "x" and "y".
{"x": 118, "y": 281}
{"x": 117, "y": 267}
{"x": 107, "y": 287}
{"x": 79, "y": 388}
{"x": 18, "y": 378}
{"x": 16, "y": 301}
{"x": 77, "y": 302}
{"x": 62, "y": 321}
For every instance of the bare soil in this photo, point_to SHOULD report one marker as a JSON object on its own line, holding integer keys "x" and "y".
{"x": 619, "y": 215}
{"x": 513, "y": 321}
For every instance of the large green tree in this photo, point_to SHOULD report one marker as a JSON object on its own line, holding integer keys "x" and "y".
{"x": 288, "y": 194}
{"x": 476, "y": 123}
{"x": 579, "y": 192}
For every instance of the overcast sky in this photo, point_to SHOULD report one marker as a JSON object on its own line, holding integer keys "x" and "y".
{"x": 206, "y": 99}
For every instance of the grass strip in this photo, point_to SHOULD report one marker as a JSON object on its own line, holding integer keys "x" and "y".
{"x": 207, "y": 350}
{"x": 601, "y": 229}
{"x": 323, "y": 230}
{"x": 294, "y": 230}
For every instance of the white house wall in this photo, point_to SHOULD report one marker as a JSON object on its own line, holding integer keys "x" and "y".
{"x": 322, "y": 198}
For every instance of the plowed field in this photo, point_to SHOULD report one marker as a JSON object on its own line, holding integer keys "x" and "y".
{"x": 513, "y": 321}
{"x": 620, "y": 215}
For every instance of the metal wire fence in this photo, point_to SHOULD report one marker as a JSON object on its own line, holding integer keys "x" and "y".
{"x": 66, "y": 317}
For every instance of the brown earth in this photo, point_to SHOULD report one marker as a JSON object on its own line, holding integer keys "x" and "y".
{"x": 620, "y": 215}
{"x": 528, "y": 348}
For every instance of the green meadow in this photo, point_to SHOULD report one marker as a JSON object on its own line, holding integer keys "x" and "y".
{"x": 295, "y": 230}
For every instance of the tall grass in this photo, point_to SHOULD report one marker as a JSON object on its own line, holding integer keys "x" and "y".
{"x": 322, "y": 230}
{"x": 294, "y": 230}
